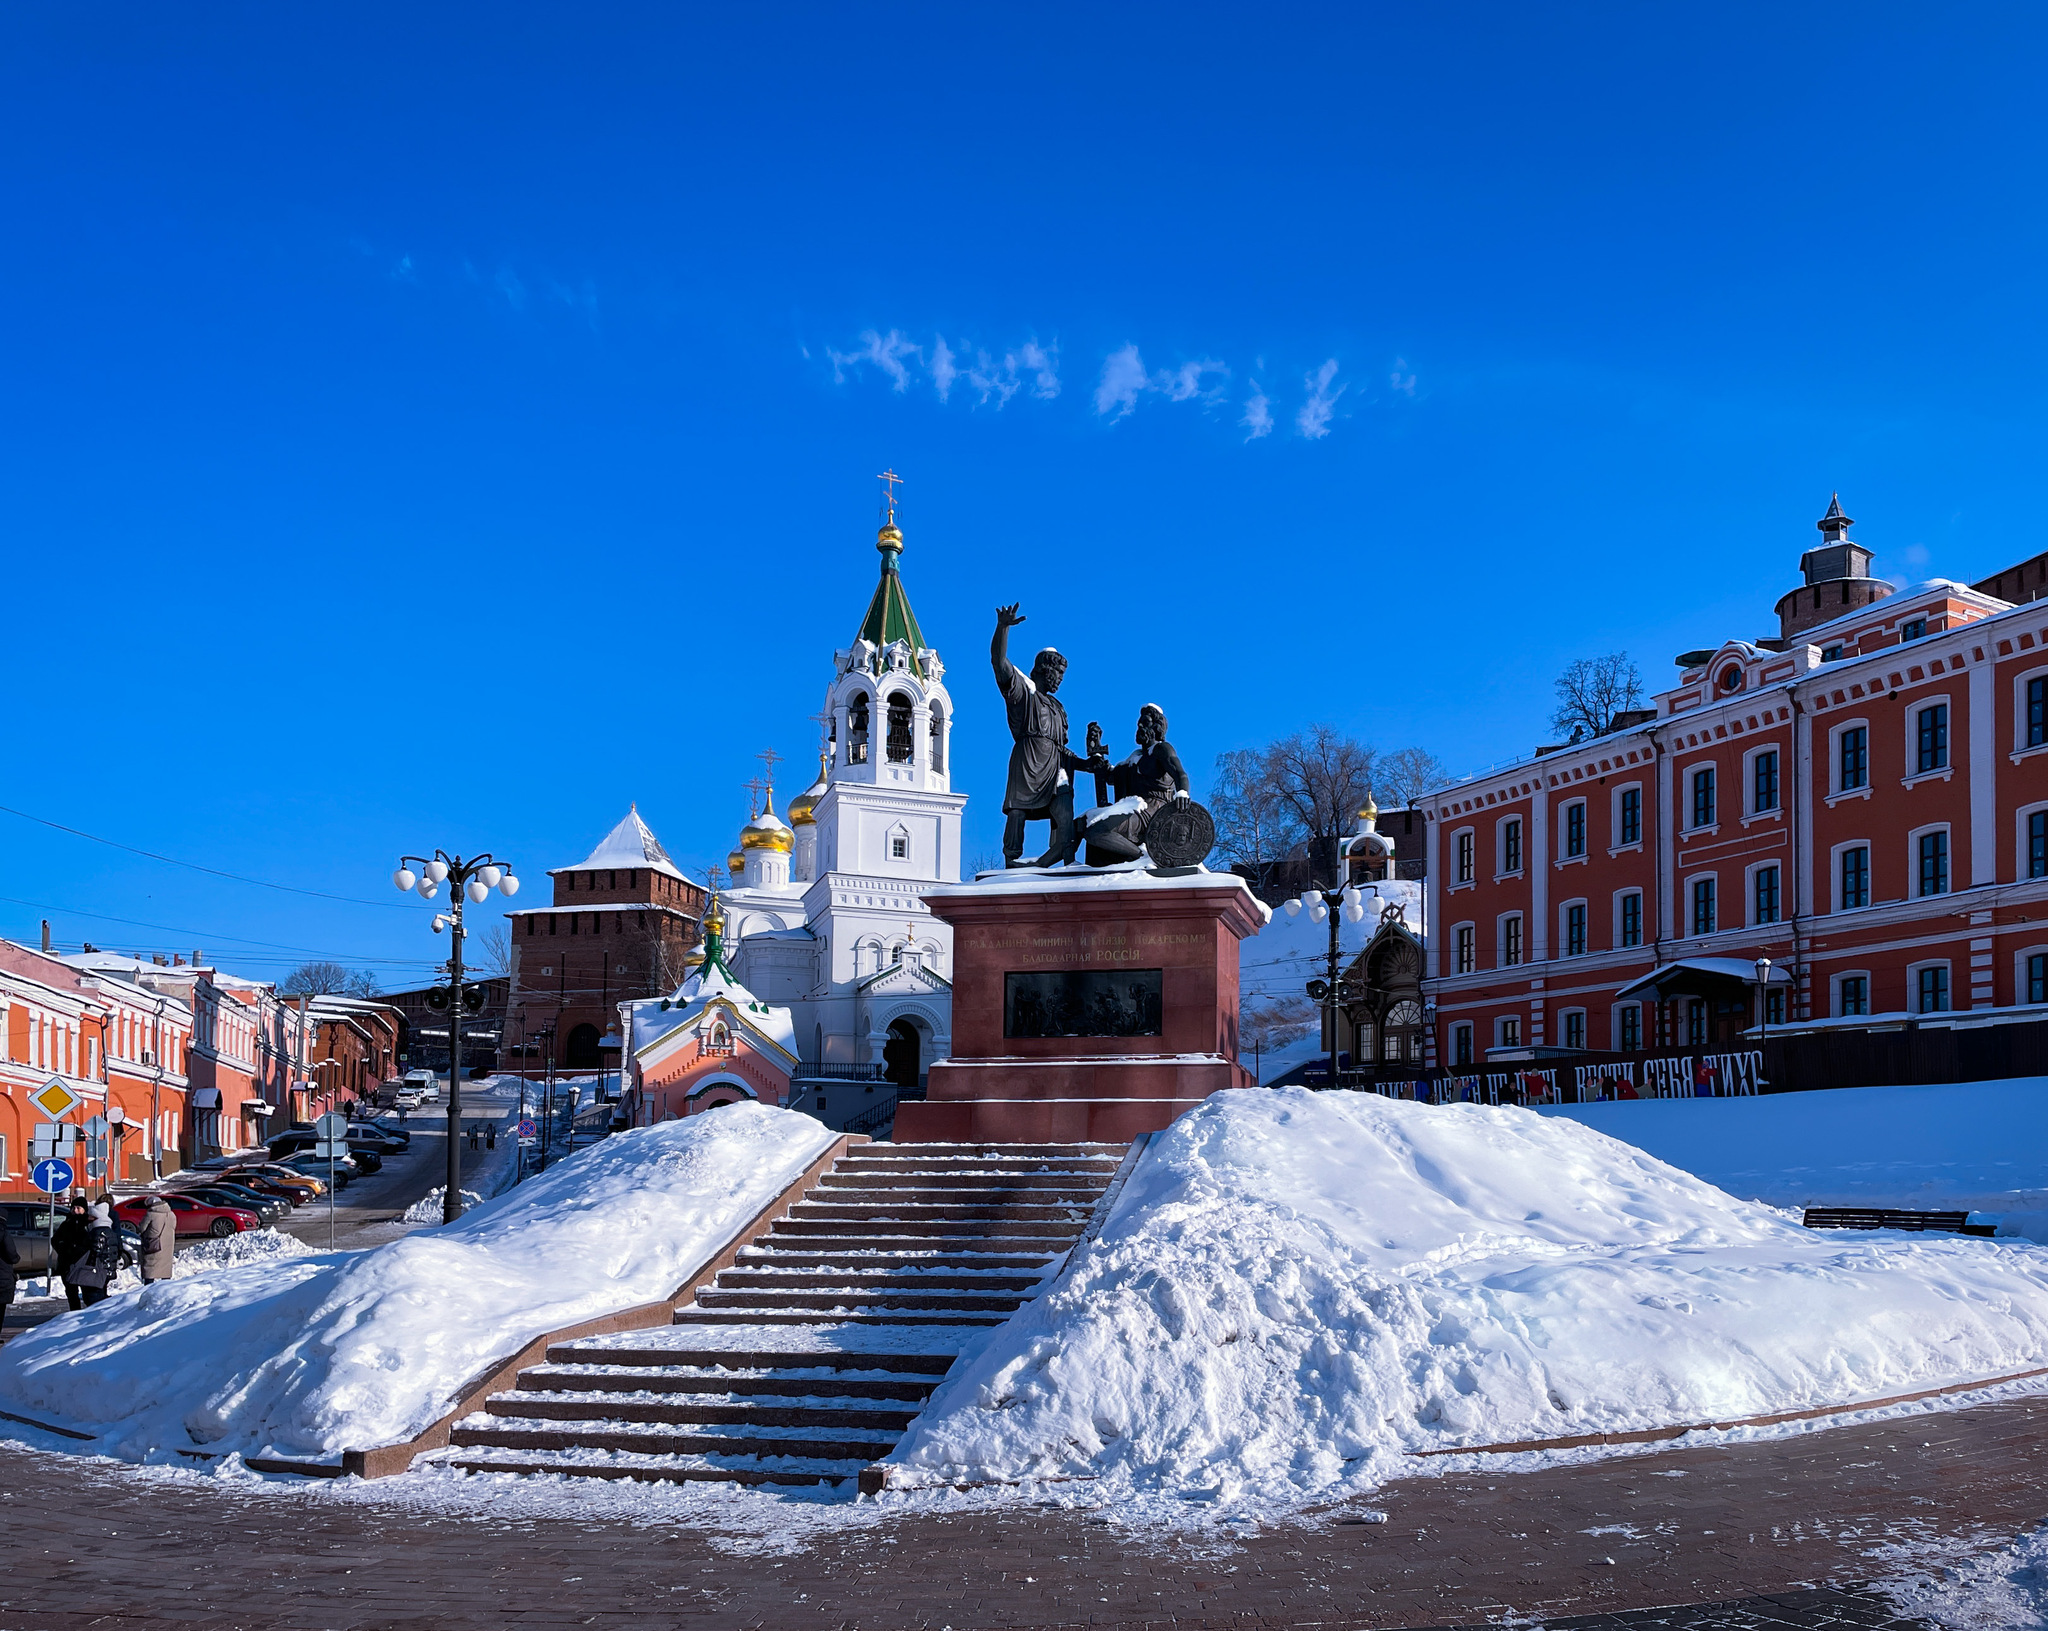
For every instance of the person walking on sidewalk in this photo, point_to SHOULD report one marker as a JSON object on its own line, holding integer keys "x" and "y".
{"x": 70, "y": 1245}
{"x": 104, "y": 1257}
{"x": 159, "y": 1240}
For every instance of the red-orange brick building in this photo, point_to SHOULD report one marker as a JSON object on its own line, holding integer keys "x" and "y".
{"x": 1862, "y": 800}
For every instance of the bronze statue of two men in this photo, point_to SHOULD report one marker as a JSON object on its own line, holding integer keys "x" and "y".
{"x": 1130, "y": 793}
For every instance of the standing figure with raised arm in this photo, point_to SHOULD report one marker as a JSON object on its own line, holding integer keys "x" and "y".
{"x": 1041, "y": 786}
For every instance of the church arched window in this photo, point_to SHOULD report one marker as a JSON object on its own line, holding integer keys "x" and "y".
{"x": 937, "y": 759}
{"x": 857, "y": 729}
{"x": 899, "y": 728}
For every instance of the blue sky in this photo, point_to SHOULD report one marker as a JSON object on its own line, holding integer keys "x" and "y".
{"x": 448, "y": 425}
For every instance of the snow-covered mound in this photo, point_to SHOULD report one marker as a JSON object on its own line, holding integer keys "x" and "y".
{"x": 235, "y": 1251}
{"x": 1295, "y": 1289}
{"x": 349, "y": 1350}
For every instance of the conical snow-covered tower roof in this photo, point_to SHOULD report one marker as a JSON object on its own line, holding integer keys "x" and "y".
{"x": 630, "y": 844}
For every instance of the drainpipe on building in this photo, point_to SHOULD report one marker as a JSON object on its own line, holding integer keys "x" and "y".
{"x": 1657, "y": 905}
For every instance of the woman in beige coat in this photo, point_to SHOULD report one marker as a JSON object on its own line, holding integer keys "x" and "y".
{"x": 159, "y": 1240}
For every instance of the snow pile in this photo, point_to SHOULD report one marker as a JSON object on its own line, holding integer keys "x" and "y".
{"x": 233, "y": 1251}
{"x": 312, "y": 1355}
{"x": 1957, "y": 1146}
{"x": 1295, "y": 1289}
{"x": 2006, "y": 1591}
{"x": 428, "y": 1208}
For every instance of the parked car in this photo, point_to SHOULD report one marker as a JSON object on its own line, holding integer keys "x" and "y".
{"x": 378, "y": 1139}
{"x": 302, "y": 1184}
{"x": 296, "y": 1193}
{"x": 192, "y": 1215}
{"x": 267, "y": 1207}
{"x": 409, "y": 1098}
{"x": 343, "y": 1168}
{"x": 390, "y": 1129}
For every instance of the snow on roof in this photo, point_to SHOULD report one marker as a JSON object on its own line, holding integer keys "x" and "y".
{"x": 1732, "y": 968}
{"x": 630, "y": 844}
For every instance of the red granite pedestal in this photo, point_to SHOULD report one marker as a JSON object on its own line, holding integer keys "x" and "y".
{"x": 1106, "y": 950}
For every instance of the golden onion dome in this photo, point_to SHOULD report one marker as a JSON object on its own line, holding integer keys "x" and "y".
{"x": 766, "y": 831}
{"x": 1371, "y": 811}
{"x": 802, "y": 808}
{"x": 736, "y": 862}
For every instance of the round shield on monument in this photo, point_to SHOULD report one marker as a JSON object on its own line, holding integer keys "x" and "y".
{"x": 1179, "y": 834}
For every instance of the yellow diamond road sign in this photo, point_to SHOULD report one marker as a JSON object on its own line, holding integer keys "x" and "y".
{"x": 54, "y": 1099}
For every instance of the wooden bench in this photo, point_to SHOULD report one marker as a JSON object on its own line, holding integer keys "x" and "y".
{"x": 1885, "y": 1217}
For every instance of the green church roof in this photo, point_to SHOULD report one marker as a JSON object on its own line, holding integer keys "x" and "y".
{"x": 889, "y": 615}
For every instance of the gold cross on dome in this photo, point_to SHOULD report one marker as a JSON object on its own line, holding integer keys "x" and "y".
{"x": 754, "y": 786}
{"x": 770, "y": 758}
{"x": 890, "y": 482}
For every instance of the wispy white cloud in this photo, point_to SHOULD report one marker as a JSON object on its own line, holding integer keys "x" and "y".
{"x": 886, "y": 352}
{"x": 1032, "y": 368}
{"x": 943, "y": 370}
{"x": 1123, "y": 382}
{"x": 1398, "y": 381}
{"x": 1258, "y": 414}
{"x": 1125, "y": 379}
{"x": 511, "y": 288}
{"x": 1314, "y": 419}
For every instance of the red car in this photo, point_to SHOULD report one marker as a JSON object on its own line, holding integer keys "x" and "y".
{"x": 193, "y": 1217}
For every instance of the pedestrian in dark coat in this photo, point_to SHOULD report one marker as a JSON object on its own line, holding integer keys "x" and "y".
{"x": 104, "y": 1257}
{"x": 70, "y": 1245}
{"x": 10, "y": 1264}
{"x": 159, "y": 1240}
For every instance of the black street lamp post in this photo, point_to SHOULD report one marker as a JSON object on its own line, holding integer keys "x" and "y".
{"x": 471, "y": 880}
{"x": 1333, "y": 991}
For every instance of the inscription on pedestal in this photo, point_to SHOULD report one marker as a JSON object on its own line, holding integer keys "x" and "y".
{"x": 1083, "y": 1002}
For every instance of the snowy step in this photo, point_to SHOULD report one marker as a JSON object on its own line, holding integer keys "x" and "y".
{"x": 554, "y": 1406}
{"x": 870, "y": 1276}
{"x": 958, "y": 1260}
{"x": 486, "y": 1432}
{"x": 825, "y": 1316}
{"x": 860, "y": 1178}
{"x": 667, "y": 1469}
{"x": 769, "y": 1358}
{"x": 966, "y": 1154}
{"x": 873, "y": 1298}
{"x": 965, "y": 1209}
{"x": 648, "y": 1379}
{"x": 1028, "y": 1230}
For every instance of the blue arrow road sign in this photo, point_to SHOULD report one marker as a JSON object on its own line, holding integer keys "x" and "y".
{"x": 51, "y": 1177}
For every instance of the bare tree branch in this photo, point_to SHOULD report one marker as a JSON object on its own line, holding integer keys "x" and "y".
{"x": 493, "y": 950}
{"x": 1592, "y": 691}
{"x": 1403, "y": 776}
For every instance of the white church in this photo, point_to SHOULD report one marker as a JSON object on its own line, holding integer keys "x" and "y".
{"x": 823, "y": 916}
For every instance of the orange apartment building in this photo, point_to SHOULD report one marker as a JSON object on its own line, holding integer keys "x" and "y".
{"x": 1862, "y": 800}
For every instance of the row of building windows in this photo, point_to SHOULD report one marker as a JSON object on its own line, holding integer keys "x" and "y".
{"x": 1928, "y": 992}
{"x": 598, "y": 920}
{"x": 1931, "y": 876}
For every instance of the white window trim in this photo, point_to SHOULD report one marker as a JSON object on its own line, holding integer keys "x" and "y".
{"x": 1564, "y": 819}
{"x": 1564, "y": 1017}
{"x": 1500, "y": 940}
{"x": 1720, "y": 905}
{"x": 1913, "y": 859}
{"x": 1614, "y": 1032}
{"x": 1836, "y": 791}
{"x": 1913, "y": 711}
{"x": 1749, "y": 758}
{"x": 1500, "y": 847}
{"x": 1564, "y": 908}
{"x": 1501, "y": 1022}
{"x": 1688, "y": 797}
{"x": 1614, "y": 818}
{"x": 1946, "y": 964}
{"x": 1835, "y": 875}
{"x": 1835, "y": 992}
{"x": 1456, "y": 930}
{"x": 2019, "y": 840}
{"x": 2019, "y": 970}
{"x": 1471, "y": 1033}
{"x": 1643, "y": 924}
{"x": 1749, "y": 893}
{"x": 2020, "y": 750}
{"x": 1473, "y": 881}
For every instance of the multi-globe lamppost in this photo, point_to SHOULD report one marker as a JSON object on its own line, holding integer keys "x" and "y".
{"x": 474, "y": 878}
{"x": 1335, "y": 991}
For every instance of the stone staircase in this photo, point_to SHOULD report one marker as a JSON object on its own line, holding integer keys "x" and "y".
{"x": 808, "y": 1358}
